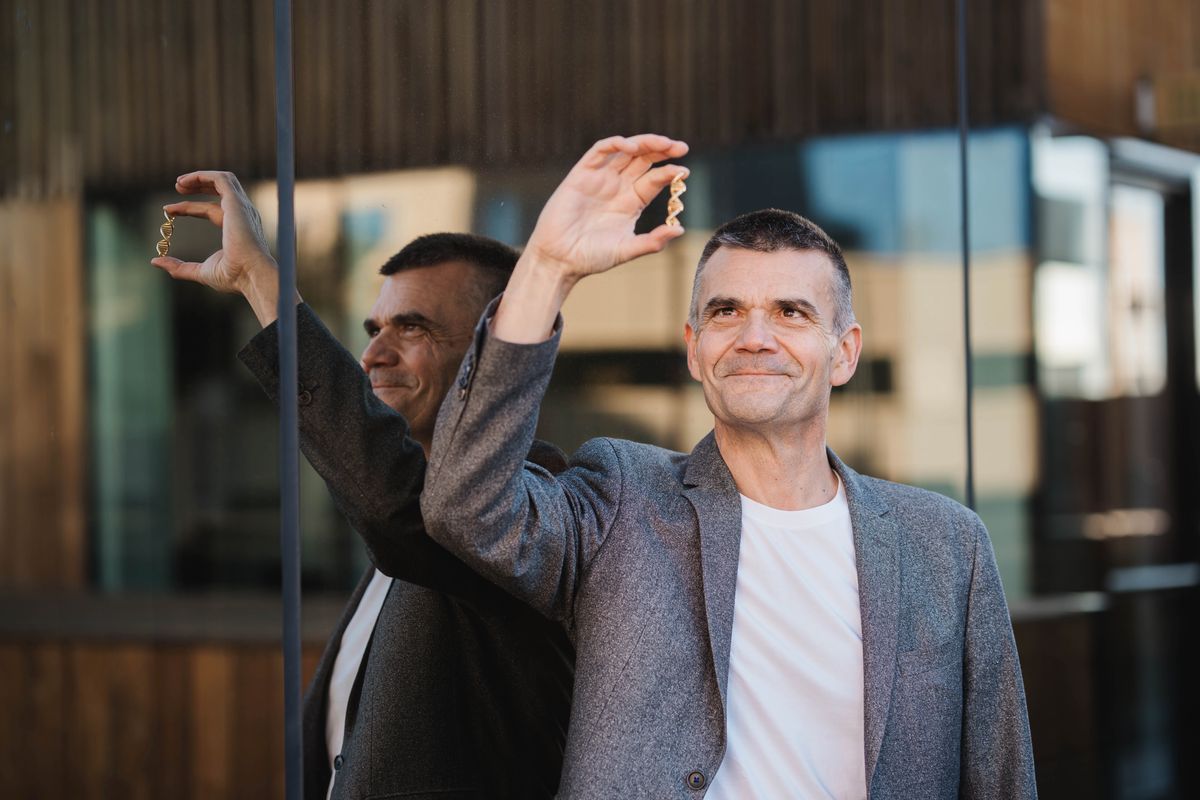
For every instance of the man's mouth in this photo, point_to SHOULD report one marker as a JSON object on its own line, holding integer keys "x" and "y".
{"x": 755, "y": 374}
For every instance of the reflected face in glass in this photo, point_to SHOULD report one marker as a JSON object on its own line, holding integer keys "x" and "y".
{"x": 420, "y": 327}
{"x": 763, "y": 348}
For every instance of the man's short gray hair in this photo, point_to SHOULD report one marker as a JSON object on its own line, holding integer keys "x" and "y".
{"x": 768, "y": 231}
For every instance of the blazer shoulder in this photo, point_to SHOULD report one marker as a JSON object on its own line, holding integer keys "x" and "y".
{"x": 922, "y": 509}
{"x": 636, "y": 459}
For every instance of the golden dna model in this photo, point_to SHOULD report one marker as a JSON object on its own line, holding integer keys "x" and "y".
{"x": 675, "y": 205}
{"x": 167, "y": 228}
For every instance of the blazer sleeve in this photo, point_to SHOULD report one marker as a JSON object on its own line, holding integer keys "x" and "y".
{"x": 530, "y": 531}
{"x": 361, "y": 448}
{"x": 997, "y": 752}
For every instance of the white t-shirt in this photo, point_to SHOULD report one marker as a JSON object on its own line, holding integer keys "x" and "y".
{"x": 795, "y": 697}
{"x": 346, "y": 665}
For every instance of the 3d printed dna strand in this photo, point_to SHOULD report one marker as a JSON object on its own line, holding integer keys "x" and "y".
{"x": 675, "y": 205}
{"x": 167, "y": 228}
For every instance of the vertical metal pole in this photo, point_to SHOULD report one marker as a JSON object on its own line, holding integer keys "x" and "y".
{"x": 963, "y": 130}
{"x": 289, "y": 474}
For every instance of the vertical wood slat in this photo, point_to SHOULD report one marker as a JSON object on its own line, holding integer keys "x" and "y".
{"x": 233, "y": 100}
{"x": 175, "y": 764}
{"x": 212, "y": 687}
{"x": 30, "y": 120}
{"x": 257, "y": 708}
{"x": 461, "y": 58}
{"x": 32, "y": 736}
{"x": 43, "y": 397}
{"x": 262, "y": 85}
{"x": 9, "y": 102}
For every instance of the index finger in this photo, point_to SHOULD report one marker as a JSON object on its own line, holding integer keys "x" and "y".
{"x": 202, "y": 181}
{"x": 646, "y": 144}
{"x": 633, "y": 146}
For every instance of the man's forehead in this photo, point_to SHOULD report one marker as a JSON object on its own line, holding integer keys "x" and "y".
{"x": 426, "y": 289}
{"x": 752, "y": 272}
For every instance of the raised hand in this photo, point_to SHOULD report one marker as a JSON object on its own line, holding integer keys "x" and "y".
{"x": 587, "y": 224}
{"x": 587, "y": 227}
{"x": 243, "y": 245}
{"x": 243, "y": 264}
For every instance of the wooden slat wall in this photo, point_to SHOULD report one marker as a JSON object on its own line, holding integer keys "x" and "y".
{"x": 205, "y": 720}
{"x": 43, "y": 397}
{"x": 112, "y": 94}
{"x": 139, "y": 720}
{"x": 1096, "y": 50}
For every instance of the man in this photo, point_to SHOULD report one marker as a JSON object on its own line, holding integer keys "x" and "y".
{"x": 435, "y": 683}
{"x": 754, "y": 619}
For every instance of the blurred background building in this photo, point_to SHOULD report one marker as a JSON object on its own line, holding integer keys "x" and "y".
{"x": 139, "y": 645}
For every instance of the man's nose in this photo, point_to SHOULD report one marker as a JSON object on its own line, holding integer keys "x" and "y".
{"x": 755, "y": 334}
{"x": 378, "y": 354}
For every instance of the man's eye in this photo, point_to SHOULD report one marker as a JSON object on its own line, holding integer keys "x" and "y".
{"x": 372, "y": 332}
{"x": 727, "y": 311}
{"x": 411, "y": 329}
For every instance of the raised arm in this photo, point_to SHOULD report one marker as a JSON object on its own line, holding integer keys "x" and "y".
{"x": 359, "y": 446}
{"x": 528, "y": 530}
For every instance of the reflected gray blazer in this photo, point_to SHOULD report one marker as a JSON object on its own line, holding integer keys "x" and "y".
{"x": 635, "y": 549}
{"x": 463, "y": 692}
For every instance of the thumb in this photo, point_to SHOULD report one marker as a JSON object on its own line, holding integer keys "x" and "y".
{"x": 179, "y": 270}
{"x": 652, "y": 242}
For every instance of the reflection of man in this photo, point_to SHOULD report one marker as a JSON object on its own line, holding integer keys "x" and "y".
{"x": 754, "y": 619}
{"x": 437, "y": 684}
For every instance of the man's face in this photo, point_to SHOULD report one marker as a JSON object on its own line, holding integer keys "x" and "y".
{"x": 420, "y": 327}
{"x": 764, "y": 348}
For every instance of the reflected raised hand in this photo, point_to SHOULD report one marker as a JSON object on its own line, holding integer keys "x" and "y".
{"x": 243, "y": 264}
{"x": 243, "y": 244}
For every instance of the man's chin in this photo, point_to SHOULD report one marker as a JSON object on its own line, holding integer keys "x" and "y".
{"x": 750, "y": 414}
{"x": 399, "y": 398}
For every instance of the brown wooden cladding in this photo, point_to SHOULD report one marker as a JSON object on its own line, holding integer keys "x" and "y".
{"x": 107, "y": 94}
{"x": 1097, "y": 50}
{"x": 43, "y": 398}
{"x": 139, "y": 720}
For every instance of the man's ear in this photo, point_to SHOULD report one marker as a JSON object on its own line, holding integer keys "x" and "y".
{"x": 845, "y": 357}
{"x": 689, "y": 337}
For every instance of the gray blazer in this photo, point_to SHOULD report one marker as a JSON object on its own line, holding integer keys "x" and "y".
{"x": 463, "y": 691}
{"x": 635, "y": 549}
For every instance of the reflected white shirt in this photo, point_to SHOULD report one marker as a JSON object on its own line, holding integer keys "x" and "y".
{"x": 346, "y": 665}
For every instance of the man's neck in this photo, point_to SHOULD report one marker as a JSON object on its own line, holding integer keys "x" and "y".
{"x": 790, "y": 472}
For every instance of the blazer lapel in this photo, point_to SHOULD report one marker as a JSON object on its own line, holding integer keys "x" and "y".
{"x": 714, "y": 496}
{"x": 316, "y": 755}
{"x": 879, "y": 581}
{"x": 325, "y": 665}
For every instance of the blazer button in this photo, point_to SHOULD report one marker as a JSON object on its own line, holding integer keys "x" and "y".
{"x": 695, "y": 779}
{"x": 338, "y": 761}
{"x": 305, "y": 397}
